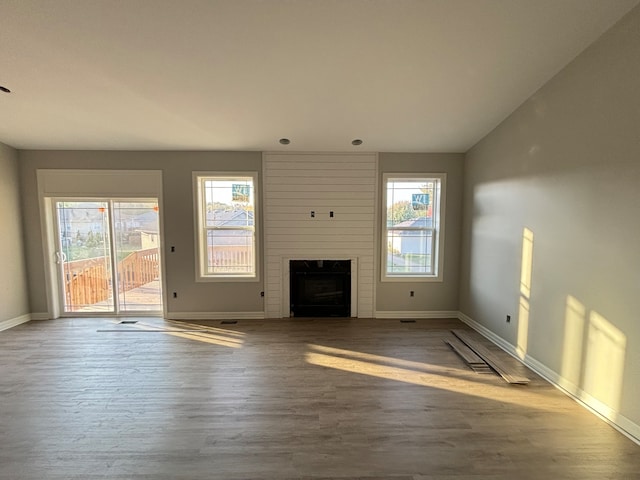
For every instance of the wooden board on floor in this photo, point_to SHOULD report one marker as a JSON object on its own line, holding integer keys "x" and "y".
{"x": 468, "y": 356}
{"x": 492, "y": 359}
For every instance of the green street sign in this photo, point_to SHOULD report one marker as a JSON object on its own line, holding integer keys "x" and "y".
{"x": 419, "y": 201}
{"x": 240, "y": 193}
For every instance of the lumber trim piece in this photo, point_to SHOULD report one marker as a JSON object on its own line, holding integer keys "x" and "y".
{"x": 470, "y": 357}
{"x": 489, "y": 357}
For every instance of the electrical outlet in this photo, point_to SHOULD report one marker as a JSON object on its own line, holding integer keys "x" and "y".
{"x": 508, "y": 318}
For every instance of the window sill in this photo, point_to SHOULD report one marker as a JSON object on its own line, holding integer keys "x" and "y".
{"x": 251, "y": 279}
{"x": 414, "y": 278}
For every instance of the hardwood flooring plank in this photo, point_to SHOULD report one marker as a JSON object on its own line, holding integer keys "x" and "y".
{"x": 492, "y": 359}
{"x": 470, "y": 357}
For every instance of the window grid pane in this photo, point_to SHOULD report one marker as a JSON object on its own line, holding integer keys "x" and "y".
{"x": 228, "y": 202}
{"x": 410, "y": 203}
{"x": 230, "y": 251}
{"x": 227, "y": 226}
{"x": 410, "y": 251}
{"x": 411, "y": 225}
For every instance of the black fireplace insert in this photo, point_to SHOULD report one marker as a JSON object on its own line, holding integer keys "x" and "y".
{"x": 320, "y": 288}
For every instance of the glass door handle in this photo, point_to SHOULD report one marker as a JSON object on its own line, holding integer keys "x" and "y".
{"x": 61, "y": 257}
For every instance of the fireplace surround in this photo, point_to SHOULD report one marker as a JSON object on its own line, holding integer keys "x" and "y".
{"x": 300, "y": 190}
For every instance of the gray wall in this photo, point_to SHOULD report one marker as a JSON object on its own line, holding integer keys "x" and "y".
{"x": 177, "y": 168}
{"x": 429, "y": 296}
{"x": 566, "y": 166}
{"x": 13, "y": 281}
{"x": 179, "y": 232}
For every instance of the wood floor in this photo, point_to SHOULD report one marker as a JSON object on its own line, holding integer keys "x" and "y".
{"x": 282, "y": 399}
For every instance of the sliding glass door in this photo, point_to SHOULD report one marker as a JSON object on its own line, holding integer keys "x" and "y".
{"x": 137, "y": 256}
{"x": 109, "y": 256}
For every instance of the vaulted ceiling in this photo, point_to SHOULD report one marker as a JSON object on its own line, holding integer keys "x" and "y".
{"x": 402, "y": 75}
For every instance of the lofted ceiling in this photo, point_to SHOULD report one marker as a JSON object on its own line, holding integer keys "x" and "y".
{"x": 402, "y": 75}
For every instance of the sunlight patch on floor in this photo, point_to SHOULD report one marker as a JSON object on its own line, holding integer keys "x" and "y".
{"x": 196, "y": 332}
{"x": 417, "y": 373}
{"x": 380, "y": 359}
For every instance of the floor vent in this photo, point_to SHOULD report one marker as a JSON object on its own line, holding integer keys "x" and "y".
{"x": 228, "y": 322}
{"x": 128, "y": 322}
{"x": 407, "y": 321}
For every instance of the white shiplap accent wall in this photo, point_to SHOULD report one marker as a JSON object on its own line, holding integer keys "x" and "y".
{"x": 296, "y": 184}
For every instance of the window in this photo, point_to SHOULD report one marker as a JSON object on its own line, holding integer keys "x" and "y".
{"x": 412, "y": 234}
{"x": 226, "y": 226}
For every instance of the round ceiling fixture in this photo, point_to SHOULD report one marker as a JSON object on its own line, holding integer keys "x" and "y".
{"x": 4, "y": 89}
{"x": 284, "y": 141}
{"x": 356, "y": 142}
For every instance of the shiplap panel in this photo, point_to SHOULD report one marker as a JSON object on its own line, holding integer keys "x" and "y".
{"x": 296, "y": 184}
{"x": 322, "y": 172}
{"x": 322, "y": 162}
{"x": 330, "y": 196}
{"x": 322, "y": 202}
{"x": 332, "y": 171}
{"x": 318, "y": 232}
{"x": 314, "y": 181}
{"x": 316, "y": 226}
{"x": 332, "y": 234}
{"x": 309, "y": 245}
{"x": 326, "y": 255}
{"x": 303, "y": 211}
{"x": 318, "y": 187}
{"x": 331, "y": 166}
{"x": 319, "y": 158}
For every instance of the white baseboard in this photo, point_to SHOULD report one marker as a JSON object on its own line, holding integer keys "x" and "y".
{"x": 416, "y": 314}
{"x": 488, "y": 334}
{"x": 215, "y": 315}
{"x": 14, "y": 322}
{"x": 40, "y": 316}
{"x": 621, "y": 423}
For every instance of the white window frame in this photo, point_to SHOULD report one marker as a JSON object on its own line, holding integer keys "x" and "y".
{"x": 201, "y": 229}
{"x": 438, "y": 228}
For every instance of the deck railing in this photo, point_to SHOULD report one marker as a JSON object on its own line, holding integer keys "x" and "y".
{"x": 222, "y": 257}
{"x": 88, "y": 281}
{"x": 137, "y": 269}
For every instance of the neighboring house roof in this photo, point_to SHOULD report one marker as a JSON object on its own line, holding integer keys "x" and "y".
{"x": 229, "y": 218}
{"x": 422, "y": 222}
{"x": 147, "y": 221}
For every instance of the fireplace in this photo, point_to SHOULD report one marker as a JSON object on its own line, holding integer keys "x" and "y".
{"x": 320, "y": 288}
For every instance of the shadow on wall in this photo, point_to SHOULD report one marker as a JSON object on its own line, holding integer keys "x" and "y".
{"x": 593, "y": 358}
